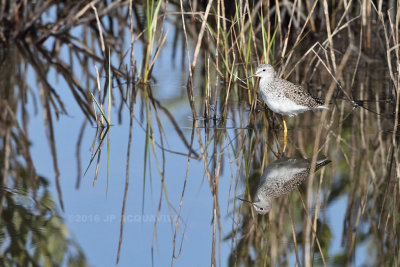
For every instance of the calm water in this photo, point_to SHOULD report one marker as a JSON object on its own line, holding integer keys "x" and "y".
{"x": 237, "y": 149}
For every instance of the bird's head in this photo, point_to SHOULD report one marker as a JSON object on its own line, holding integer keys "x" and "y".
{"x": 264, "y": 71}
{"x": 261, "y": 207}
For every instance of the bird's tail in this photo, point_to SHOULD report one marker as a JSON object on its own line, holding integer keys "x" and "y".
{"x": 321, "y": 162}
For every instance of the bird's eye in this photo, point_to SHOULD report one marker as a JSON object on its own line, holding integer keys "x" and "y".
{"x": 261, "y": 209}
{"x": 264, "y": 69}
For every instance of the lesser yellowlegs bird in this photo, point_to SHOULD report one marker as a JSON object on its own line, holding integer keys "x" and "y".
{"x": 280, "y": 178}
{"x": 284, "y": 97}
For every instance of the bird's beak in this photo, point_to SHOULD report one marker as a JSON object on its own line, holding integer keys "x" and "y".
{"x": 245, "y": 200}
{"x": 249, "y": 77}
{"x": 243, "y": 80}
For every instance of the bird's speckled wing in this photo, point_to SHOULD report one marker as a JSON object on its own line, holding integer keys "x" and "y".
{"x": 285, "y": 175}
{"x": 296, "y": 181}
{"x": 298, "y": 95}
{"x": 301, "y": 176}
{"x": 278, "y": 173}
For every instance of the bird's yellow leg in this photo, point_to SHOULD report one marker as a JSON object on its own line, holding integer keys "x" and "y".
{"x": 284, "y": 134}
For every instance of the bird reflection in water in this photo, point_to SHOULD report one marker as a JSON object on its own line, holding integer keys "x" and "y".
{"x": 280, "y": 178}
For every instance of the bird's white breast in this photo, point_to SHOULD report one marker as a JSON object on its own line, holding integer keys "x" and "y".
{"x": 281, "y": 105}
